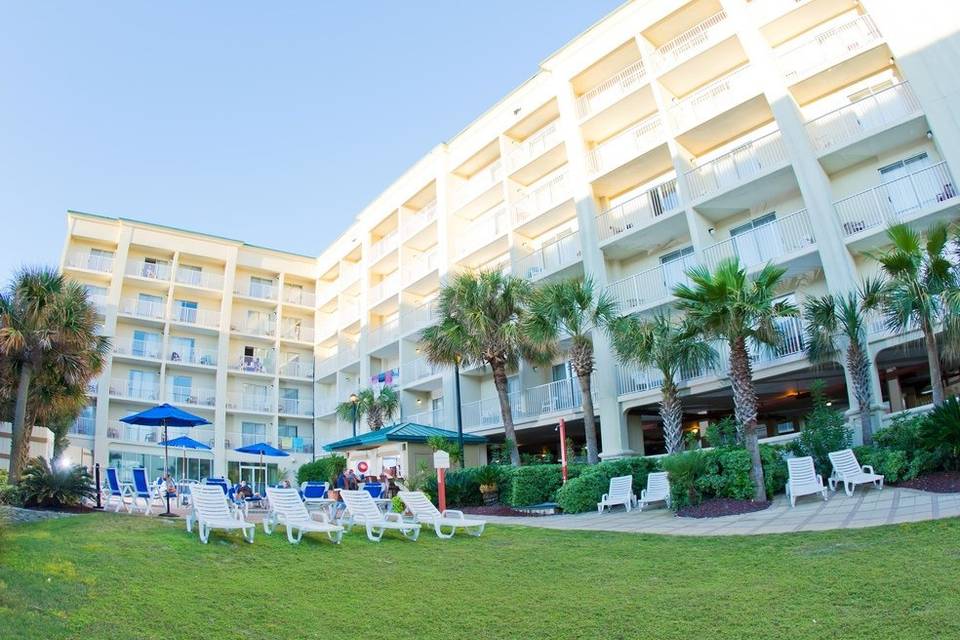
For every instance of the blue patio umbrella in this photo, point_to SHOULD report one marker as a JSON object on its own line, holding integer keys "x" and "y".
{"x": 263, "y": 449}
{"x": 164, "y": 415}
{"x": 186, "y": 442}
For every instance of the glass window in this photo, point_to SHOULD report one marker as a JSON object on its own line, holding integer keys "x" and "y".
{"x": 185, "y": 311}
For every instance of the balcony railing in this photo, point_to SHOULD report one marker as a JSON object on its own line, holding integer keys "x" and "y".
{"x": 419, "y": 369}
{"x": 199, "y": 317}
{"x": 419, "y": 265}
{"x": 737, "y": 167}
{"x": 541, "y": 199}
{"x": 483, "y": 231}
{"x": 99, "y": 302}
{"x": 296, "y": 406}
{"x": 349, "y": 272}
{"x": 714, "y": 98}
{"x": 194, "y": 396}
{"x": 149, "y": 270}
{"x": 874, "y": 113}
{"x": 829, "y": 47}
{"x": 348, "y": 352}
{"x": 764, "y": 243}
{"x": 349, "y": 312}
{"x": 293, "y": 295}
{"x": 478, "y": 183}
{"x": 651, "y": 286}
{"x": 561, "y": 396}
{"x": 136, "y": 434}
{"x": 296, "y": 444}
{"x": 892, "y": 201}
{"x": 84, "y": 426}
{"x": 202, "y": 357}
{"x": 142, "y": 308}
{"x": 550, "y": 257}
{"x": 258, "y": 290}
{"x": 534, "y": 146}
{"x": 124, "y": 388}
{"x": 297, "y": 333}
{"x": 261, "y": 328}
{"x": 385, "y": 245}
{"x": 89, "y": 261}
{"x": 326, "y": 406}
{"x": 415, "y": 222}
{"x": 428, "y": 418}
{"x": 384, "y": 334}
{"x": 297, "y": 369}
{"x": 149, "y": 349}
{"x": 639, "y": 211}
{"x": 239, "y": 401}
{"x": 693, "y": 40}
{"x": 202, "y": 279}
{"x": 625, "y": 146}
{"x": 385, "y": 288}
{"x": 425, "y": 315}
{"x": 328, "y": 365}
{"x": 260, "y": 363}
{"x": 236, "y": 439}
{"x": 611, "y": 90}
{"x": 92, "y": 387}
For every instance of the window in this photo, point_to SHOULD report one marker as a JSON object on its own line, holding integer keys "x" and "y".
{"x": 190, "y": 274}
{"x": 100, "y": 260}
{"x": 145, "y": 345}
{"x": 154, "y": 268}
{"x": 261, "y": 287}
{"x": 149, "y": 305}
{"x": 289, "y": 400}
{"x": 674, "y": 266}
{"x": 142, "y": 384}
{"x": 758, "y": 240}
{"x": 182, "y": 349}
{"x": 295, "y": 293}
{"x": 252, "y": 433}
{"x": 183, "y": 389}
{"x": 185, "y": 311}
{"x": 287, "y": 431}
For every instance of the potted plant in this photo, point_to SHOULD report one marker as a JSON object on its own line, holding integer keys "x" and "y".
{"x": 488, "y": 477}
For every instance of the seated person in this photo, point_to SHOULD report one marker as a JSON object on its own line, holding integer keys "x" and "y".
{"x": 169, "y": 486}
{"x": 244, "y": 491}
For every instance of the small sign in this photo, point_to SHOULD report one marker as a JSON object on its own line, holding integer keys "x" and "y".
{"x": 362, "y": 466}
{"x": 441, "y": 460}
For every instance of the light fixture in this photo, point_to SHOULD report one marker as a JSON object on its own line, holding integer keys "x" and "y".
{"x": 891, "y": 60}
{"x": 711, "y": 231}
{"x": 419, "y": 400}
{"x": 829, "y": 403}
{"x": 929, "y": 135}
{"x": 354, "y": 399}
{"x": 702, "y": 412}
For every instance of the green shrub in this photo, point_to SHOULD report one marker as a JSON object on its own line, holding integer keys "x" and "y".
{"x": 939, "y": 434}
{"x": 725, "y": 474}
{"x": 532, "y": 485}
{"x": 322, "y": 469}
{"x": 891, "y": 463}
{"x": 463, "y": 488}
{"x": 722, "y": 433}
{"x": 43, "y": 486}
{"x": 775, "y": 472}
{"x": 902, "y": 434}
{"x": 587, "y": 484}
{"x": 685, "y": 469}
{"x": 396, "y": 505}
{"x": 824, "y": 430}
{"x": 10, "y": 495}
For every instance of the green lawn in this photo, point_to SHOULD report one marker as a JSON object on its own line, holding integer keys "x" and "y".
{"x": 117, "y": 576}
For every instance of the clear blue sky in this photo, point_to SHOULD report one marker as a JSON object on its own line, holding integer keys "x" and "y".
{"x": 273, "y": 123}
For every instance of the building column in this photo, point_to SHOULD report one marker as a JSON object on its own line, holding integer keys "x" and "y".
{"x": 223, "y": 366}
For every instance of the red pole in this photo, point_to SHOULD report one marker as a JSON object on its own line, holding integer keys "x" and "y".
{"x": 563, "y": 448}
{"x": 442, "y": 489}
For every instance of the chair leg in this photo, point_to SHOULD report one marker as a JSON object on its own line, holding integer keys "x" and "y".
{"x": 204, "y": 533}
{"x": 476, "y": 531}
{"x": 441, "y": 534}
{"x": 373, "y": 534}
{"x": 252, "y": 532}
{"x": 335, "y": 536}
{"x": 848, "y": 488}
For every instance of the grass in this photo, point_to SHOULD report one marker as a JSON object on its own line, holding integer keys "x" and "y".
{"x": 117, "y": 576}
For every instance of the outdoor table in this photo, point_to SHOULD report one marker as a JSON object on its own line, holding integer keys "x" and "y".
{"x": 328, "y": 504}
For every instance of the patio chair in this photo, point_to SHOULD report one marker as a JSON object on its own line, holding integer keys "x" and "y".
{"x": 217, "y": 482}
{"x": 658, "y": 490}
{"x": 314, "y": 492}
{"x": 361, "y": 509}
{"x": 288, "y": 509}
{"x": 804, "y": 479}
{"x": 847, "y": 470}
{"x": 375, "y": 489}
{"x": 211, "y": 510}
{"x": 143, "y": 490}
{"x": 620, "y": 492}
{"x": 426, "y": 513}
{"x": 118, "y": 491}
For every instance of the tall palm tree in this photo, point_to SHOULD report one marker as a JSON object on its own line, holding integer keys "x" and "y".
{"x": 482, "y": 317}
{"x": 574, "y": 308}
{"x": 728, "y": 305}
{"x": 671, "y": 349}
{"x": 838, "y": 323}
{"x": 376, "y": 406}
{"x": 923, "y": 293}
{"x": 46, "y": 322}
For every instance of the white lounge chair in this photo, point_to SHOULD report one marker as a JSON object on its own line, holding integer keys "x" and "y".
{"x": 288, "y": 509}
{"x": 847, "y": 470}
{"x": 658, "y": 490}
{"x": 426, "y": 513}
{"x": 620, "y": 492}
{"x": 361, "y": 509}
{"x": 211, "y": 510}
{"x": 804, "y": 479}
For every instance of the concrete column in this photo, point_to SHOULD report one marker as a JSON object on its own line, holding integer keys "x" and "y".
{"x": 223, "y": 364}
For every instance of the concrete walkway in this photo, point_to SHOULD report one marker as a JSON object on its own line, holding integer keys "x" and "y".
{"x": 867, "y": 508}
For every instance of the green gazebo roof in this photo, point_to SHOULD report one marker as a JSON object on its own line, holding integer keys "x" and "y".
{"x": 401, "y": 432}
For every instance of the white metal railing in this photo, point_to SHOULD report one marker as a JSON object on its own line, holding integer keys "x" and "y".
{"x": 149, "y": 270}
{"x": 627, "y": 145}
{"x": 196, "y": 396}
{"x": 99, "y": 302}
{"x": 188, "y": 355}
{"x": 765, "y": 242}
{"x": 889, "y": 202}
{"x": 148, "y": 390}
{"x": 89, "y": 261}
{"x": 326, "y": 326}
{"x": 428, "y": 418}
{"x": 199, "y": 317}
{"x": 259, "y": 402}
{"x": 554, "y": 255}
{"x": 478, "y": 184}
{"x": 258, "y": 290}
{"x": 203, "y": 279}
{"x": 424, "y": 315}
{"x": 348, "y": 352}
{"x": 419, "y": 369}
{"x": 327, "y": 405}
{"x": 142, "y": 308}
{"x": 296, "y": 332}
{"x": 415, "y": 222}
{"x": 137, "y": 434}
{"x": 873, "y": 113}
{"x": 534, "y": 146}
{"x": 541, "y": 198}
{"x": 387, "y": 287}
{"x": 714, "y": 98}
{"x": 328, "y": 365}
{"x": 636, "y": 212}
{"x": 296, "y": 444}
{"x": 236, "y": 439}
{"x": 262, "y": 328}
{"x": 611, "y": 90}
{"x": 140, "y": 348}
{"x": 296, "y": 406}
{"x": 652, "y": 285}
{"x": 483, "y": 231}
{"x": 560, "y": 396}
{"x": 84, "y": 426}
{"x": 386, "y": 333}
{"x": 348, "y": 312}
{"x": 737, "y": 167}
{"x": 829, "y": 47}
{"x": 419, "y": 265}
{"x": 384, "y": 245}
{"x": 485, "y": 413}
{"x": 297, "y": 369}
{"x": 295, "y": 295}
{"x": 693, "y": 40}
{"x": 261, "y": 361}
{"x": 92, "y": 387}
{"x": 349, "y": 272}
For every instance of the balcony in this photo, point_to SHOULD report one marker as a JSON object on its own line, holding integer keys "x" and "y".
{"x": 417, "y": 222}
{"x": 199, "y": 279}
{"x": 423, "y": 316}
{"x": 92, "y": 387}
{"x": 625, "y": 146}
{"x": 612, "y": 90}
{"x": 257, "y": 328}
{"x": 196, "y": 317}
{"x": 99, "y": 302}
{"x": 194, "y": 357}
{"x": 384, "y": 246}
{"x": 297, "y": 369}
{"x": 639, "y": 212}
{"x": 146, "y": 309}
{"x": 387, "y": 333}
{"x": 296, "y": 332}
{"x": 714, "y": 98}
{"x": 89, "y": 261}
{"x": 387, "y": 287}
{"x": 145, "y": 349}
{"x": 257, "y": 290}
{"x": 419, "y": 370}
{"x": 542, "y": 199}
{"x": 192, "y": 396}
{"x": 480, "y": 184}
{"x": 148, "y": 269}
{"x": 736, "y": 168}
{"x": 84, "y": 426}
{"x": 261, "y": 364}
{"x": 651, "y": 287}
{"x": 551, "y": 257}
{"x": 296, "y": 407}
{"x": 328, "y": 366}
{"x": 559, "y": 397}
{"x": 774, "y": 241}
{"x": 538, "y": 154}
{"x": 693, "y": 41}
{"x": 904, "y": 199}
{"x": 235, "y": 439}
{"x": 829, "y": 48}
{"x": 349, "y": 273}
{"x": 482, "y": 232}
{"x": 296, "y": 444}
{"x": 135, "y": 390}
{"x": 299, "y": 297}
{"x": 420, "y": 265}
{"x": 427, "y": 418}
{"x": 327, "y": 406}
{"x": 348, "y": 352}
{"x": 252, "y": 402}
{"x": 136, "y": 434}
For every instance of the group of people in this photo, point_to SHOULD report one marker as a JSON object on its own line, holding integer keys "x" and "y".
{"x": 351, "y": 480}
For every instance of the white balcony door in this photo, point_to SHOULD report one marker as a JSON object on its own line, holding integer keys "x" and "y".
{"x": 186, "y": 311}
{"x": 182, "y": 349}
{"x": 255, "y": 397}
{"x": 757, "y": 241}
{"x": 99, "y": 259}
{"x": 674, "y": 267}
{"x": 189, "y": 274}
{"x": 183, "y": 389}
{"x": 898, "y": 187}
{"x": 149, "y": 305}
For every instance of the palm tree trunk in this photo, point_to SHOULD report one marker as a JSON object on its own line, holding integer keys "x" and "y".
{"x": 582, "y": 362}
{"x": 671, "y": 415}
{"x": 933, "y": 360}
{"x": 60, "y": 441}
{"x": 500, "y": 382}
{"x": 20, "y": 436}
{"x": 859, "y": 367}
{"x": 745, "y": 410}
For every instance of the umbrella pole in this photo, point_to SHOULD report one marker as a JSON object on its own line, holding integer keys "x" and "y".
{"x": 166, "y": 470}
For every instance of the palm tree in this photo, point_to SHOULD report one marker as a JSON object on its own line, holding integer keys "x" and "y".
{"x": 729, "y": 305}
{"x": 923, "y": 292}
{"x": 46, "y": 322}
{"x": 671, "y": 349}
{"x": 839, "y": 323}
{"x": 572, "y": 307}
{"x": 482, "y": 316}
{"x": 377, "y": 406}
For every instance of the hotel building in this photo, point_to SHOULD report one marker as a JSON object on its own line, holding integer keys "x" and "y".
{"x": 670, "y": 133}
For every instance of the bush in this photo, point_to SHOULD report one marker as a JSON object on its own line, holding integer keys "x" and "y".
{"x": 891, "y": 463}
{"x": 588, "y": 483}
{"x": 684, "y": 469}
{"x": 532, "y": 485}
{"x": 396, "y": 505}
{"x": 322, "y": 470}
{"x": 725, "y": 474}
{"x": 902, "y": 434}
{"x": 939, "y": 434}
{"x": 10, "y": 495}
{"x": 463, "y": 488}
{"x": 775, "y": 471}
{"x": 723, "y": 433}
{"x": 824, "y": 430}
{"x": 43, "y": 486}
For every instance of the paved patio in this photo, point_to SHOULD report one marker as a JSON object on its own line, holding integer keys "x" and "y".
{"x": 867, "y": 508}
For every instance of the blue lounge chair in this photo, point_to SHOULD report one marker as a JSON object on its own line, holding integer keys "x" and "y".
{"x": 375, "y": 489}
{"x": 219, "y": 482}
{"x": 314, "y": 492}
{"x": 118, "y": 491}
{"x": 143, "y": 490}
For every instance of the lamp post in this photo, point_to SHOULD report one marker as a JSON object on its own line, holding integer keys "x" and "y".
{"x": 456, "y": 378}
{"x": 354, "y": 400}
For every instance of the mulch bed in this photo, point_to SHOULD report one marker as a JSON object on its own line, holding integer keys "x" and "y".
{"x": 717, "y": 507}
{"x": 497, "y": 510}
{"x": 936, "y": 482}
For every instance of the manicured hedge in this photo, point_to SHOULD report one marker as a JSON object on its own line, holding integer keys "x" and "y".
{"x": 582, "y": 492}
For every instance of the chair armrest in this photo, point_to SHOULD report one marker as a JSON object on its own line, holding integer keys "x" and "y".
{"x": 868, "y": 469}
{"x": 603, "y": 498}
{"x": 643, "y": 494}
{"x": 453, "y": 513}
{"x": 819, "y": 480}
